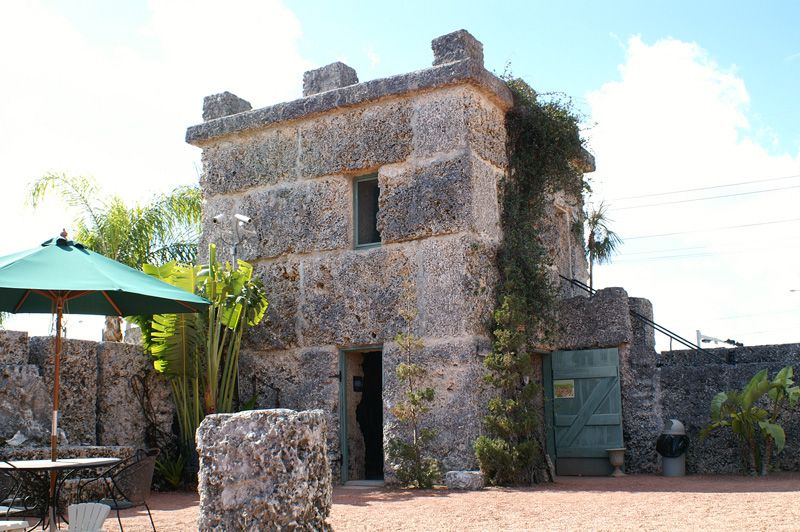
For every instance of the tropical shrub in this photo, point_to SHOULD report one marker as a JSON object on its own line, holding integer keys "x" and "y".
{"x": 169, "y": 471}
{"x": 410, "y": 456}
{"x": 510, "y": 450}
{"x": 752, "y": 416}
{"x": 198, "y": 354}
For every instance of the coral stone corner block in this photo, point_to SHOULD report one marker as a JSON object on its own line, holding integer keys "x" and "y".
{"x": 24, "y": 404}
{"x": 223, "y": 104}
{"x": 464, "y": 480}
{"x": 456, "y": 46}
{"x": 330, "y": 77}
{"x": 13, "y": 347}
{"x": 78, "y": 407}
{"x": 587, "y": 163}
{"x": 264, "y": 470}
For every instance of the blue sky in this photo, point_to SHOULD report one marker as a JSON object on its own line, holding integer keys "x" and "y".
{"x": 676, "y": 96}
{"x": 572, "y": 47}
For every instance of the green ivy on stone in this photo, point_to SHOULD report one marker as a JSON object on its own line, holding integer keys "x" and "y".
{"x": 544, "y": 151}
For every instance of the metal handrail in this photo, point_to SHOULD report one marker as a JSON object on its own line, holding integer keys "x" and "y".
{"x": 730, "y": 359}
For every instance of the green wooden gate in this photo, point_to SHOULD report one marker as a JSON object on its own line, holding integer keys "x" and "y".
{"x": 583, "y": 409}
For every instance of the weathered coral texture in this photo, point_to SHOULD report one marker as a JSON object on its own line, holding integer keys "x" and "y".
{"x": 456, "y": 46}
{"x": 454, "y": 370}
{"x": 223, "y": 104}
{"x": 68, "y": 451}
{"x": 464, "y": 480}
{"x": 264, "y": 470}
{"x": 602, "y": 320}
{"x": 13, "y": 347}
{"x": 98, "y": 403}
{"x": 295, "y": 379}
{"x": 77, "y": 404}
{"x": 124, "y": 372}
{"x": 333, "y": 76}
{"x": 25, "y": 404}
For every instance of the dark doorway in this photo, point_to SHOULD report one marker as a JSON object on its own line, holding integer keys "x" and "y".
{"x": 369, "y": 414}
{"x": 361, "y": 411}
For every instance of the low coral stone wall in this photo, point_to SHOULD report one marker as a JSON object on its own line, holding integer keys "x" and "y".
{"x": 690, "y": 380}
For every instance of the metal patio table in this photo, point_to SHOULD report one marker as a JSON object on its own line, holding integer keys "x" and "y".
{"x": 29, "y": 471}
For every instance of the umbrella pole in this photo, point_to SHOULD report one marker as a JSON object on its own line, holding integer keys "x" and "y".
{"x": 54, "y": 429}
{"x": 56, "y": 382}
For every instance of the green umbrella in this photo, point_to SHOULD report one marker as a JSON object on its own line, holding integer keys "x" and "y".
{"x": 62, "y": 276}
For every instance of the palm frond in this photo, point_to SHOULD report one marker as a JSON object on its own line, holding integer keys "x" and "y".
{"x": 602, "y": 242}
{"x": 166, "y": 228}
{"x": 78, "y": 192}
{"x": 170, "y": 226}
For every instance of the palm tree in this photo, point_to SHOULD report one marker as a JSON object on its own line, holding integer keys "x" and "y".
{"x": 602, "y": 242}
{"x": 167, "y": 228}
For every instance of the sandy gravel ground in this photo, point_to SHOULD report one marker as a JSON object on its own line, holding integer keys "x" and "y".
{"x": 632, "y": 503}
{"x": 589, "y": 503}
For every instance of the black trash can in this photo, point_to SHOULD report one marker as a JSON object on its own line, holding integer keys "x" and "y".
{"x": 672, "y": 446}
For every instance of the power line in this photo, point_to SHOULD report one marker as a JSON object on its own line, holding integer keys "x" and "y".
{"x": 725, "y": 228}
{"x": 707, "y": 254}
{"x": 767, "y": 331}
{"x": 623, "y": 253}
{"x": 667, "y": 257}
{"x": 790, "y": 311}
{"x": 706, "y": 198}
{"x": 771, "y": 245}
{"x": 707, "y": 188}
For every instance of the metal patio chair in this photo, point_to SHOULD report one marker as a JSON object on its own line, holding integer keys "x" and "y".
{"x": 15, "y": 499}
{"x": 127, "y": 484}
{"x": 8, "y": 485}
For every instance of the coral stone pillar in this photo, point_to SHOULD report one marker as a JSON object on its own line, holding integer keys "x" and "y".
{"x": 264, "y": 470}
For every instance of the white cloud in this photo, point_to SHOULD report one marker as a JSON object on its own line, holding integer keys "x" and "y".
{"x": 372, "y": 55}
{"x": 72, "y": 104}
{"x": 676, "y": 120}
{"x": 792, "y": 57}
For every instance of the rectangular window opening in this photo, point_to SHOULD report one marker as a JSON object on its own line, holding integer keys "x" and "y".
{"x": 365, "y": 207}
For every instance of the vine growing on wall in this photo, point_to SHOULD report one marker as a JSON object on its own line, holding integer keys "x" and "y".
{"x": 545, "y": 153}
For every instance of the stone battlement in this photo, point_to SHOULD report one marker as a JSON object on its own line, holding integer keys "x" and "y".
{"x": 458, "y": 59}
